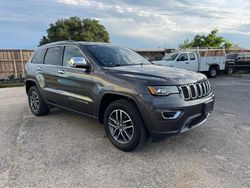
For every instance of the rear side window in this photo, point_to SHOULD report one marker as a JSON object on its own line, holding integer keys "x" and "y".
{"x": 38, "y": 57}
{"x": 54, "y": 56}
{"x": 191, "y": 56}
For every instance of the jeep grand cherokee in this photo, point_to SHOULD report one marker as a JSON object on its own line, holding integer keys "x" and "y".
{"x": 133, "y": 98}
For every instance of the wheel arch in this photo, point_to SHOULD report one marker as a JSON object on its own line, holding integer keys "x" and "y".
{"x": 110, "y": 97}
{"x": 215, "y": 65}
{"x": 28, "y": 84}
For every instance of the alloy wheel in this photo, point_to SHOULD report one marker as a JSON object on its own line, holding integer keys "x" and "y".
{"x": 34, "y": 101}
{"x": 121, "y": 126}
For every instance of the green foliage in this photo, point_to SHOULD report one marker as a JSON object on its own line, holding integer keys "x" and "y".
{"x": 210, "y": 40}
{"x": 11, "y": 77}
{"x": 75, "y": 29}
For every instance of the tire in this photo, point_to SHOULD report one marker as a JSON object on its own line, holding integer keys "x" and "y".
{"x": 230, "y": 70}
{"x": 127, "y": 136}
{"x": 213, "y": 71}
{"x": 36, "y": 103}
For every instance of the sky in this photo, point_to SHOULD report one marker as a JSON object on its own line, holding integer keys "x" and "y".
{"x": 131, "y": 23}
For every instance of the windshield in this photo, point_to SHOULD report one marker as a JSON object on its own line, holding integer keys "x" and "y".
{"x": 110, "y": 56}
{"x": 231, "y": 56}
{"x": 170, "y": 57}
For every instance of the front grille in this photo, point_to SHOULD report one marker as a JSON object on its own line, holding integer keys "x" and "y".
{"x": 196, "y": 90}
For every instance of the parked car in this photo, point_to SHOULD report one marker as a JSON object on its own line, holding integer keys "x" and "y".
{"x": 4, "y": 78}
{"x": 237, "y": 61}
{"x": 124, "y": 91}
{"x": 210, "y": 61}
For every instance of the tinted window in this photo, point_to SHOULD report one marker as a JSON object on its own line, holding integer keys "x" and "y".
{"x": 247, "y": 56}
{"x": 111, "y": 56}
{"x": 170, "y": 57}
{"x": 38, "y": 57}
{"x": 191, "y": 56}
{"x": 54, "y": 56}
{"x": 69, "y": 52}
{"x": 183, "y": 57}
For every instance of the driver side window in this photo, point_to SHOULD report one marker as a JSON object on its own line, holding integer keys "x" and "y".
{"x": 183, "y": 57}
{"x": 69, "y": 52}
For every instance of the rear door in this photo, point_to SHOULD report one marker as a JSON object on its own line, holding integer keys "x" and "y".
{"x": 51, "y": 73}
{"x": 76, "y": 83}
{"x": 193, "y": 62}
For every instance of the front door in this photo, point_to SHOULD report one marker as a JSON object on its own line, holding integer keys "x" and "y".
{"x": 182, "y": 61}
{"x": 76, "y": 83}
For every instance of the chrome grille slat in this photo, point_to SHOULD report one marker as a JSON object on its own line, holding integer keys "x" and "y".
{"x": 196, "y": 90}
{"x": 201, "y": 92}
{"x": 207, "y": 87}
{"x": 189, "y": 92}
{"x": 204, "y": 87}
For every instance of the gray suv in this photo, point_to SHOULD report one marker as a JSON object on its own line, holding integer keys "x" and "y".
{"x": 133, "y": 98}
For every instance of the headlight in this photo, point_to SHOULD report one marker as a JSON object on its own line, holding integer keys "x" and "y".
{"x": 163, "y": 90}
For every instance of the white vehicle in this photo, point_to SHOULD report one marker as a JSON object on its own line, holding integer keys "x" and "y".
{"x": 199, "y": 60}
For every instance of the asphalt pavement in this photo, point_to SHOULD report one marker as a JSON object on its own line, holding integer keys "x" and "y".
{"x": 64, "y": 149}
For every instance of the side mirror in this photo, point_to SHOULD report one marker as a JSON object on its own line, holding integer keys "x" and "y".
{"x": 79, "y": 62}
{"x": 237, "y": 58}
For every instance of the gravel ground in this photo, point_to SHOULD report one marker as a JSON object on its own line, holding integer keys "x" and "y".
{"x": 65, "y": 149}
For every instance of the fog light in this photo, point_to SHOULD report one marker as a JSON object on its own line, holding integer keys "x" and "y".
{"x": 171, "y": 114}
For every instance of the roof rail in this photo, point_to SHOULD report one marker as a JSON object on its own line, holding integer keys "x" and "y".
{"x": 202, "y": 48}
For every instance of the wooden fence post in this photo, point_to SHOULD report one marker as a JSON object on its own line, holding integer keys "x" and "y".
{"x": 21, "y": 52}
{"x": 15, "y": 68}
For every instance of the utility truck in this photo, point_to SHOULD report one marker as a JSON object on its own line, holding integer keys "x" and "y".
{"x": 210, "y": 61}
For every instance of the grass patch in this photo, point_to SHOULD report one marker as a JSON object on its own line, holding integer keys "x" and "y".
{"x": 14, "y": 84}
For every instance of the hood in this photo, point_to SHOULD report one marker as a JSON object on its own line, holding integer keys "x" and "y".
{"x": 163, "y": 62}
{"x": 158, "y": 74}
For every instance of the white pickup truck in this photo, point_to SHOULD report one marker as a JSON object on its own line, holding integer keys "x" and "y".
{"x": 210, "y": 61}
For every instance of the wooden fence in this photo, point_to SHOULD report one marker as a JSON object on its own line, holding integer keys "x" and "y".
{"x": 12, "y": 62}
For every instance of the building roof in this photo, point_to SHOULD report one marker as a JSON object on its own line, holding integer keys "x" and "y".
{"x": 149, "y": 50}
{"x": 237, "y": 47}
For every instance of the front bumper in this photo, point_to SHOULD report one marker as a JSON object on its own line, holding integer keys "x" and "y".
{"x": 193, "y": 113}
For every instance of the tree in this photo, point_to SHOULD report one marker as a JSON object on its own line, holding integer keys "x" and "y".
{"x": 210, "y": 40}
{"x": 76, "y": 29}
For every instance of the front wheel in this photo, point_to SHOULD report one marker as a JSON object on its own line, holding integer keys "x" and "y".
{"x": 212, "y": 73}
{"x": 124, "y": 126}
{"x": 229, "y": 70}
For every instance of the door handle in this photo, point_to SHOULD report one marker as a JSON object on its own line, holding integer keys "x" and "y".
{"x": 187, "y": 62}
{"x": 39, "y": 69}
{"x": 61, "y": 71}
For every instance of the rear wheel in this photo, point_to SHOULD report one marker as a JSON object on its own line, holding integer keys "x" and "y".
{"x": 213, "y": 71}
{"x": 124, "y": 126}
{"x": 36, "y": 103}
